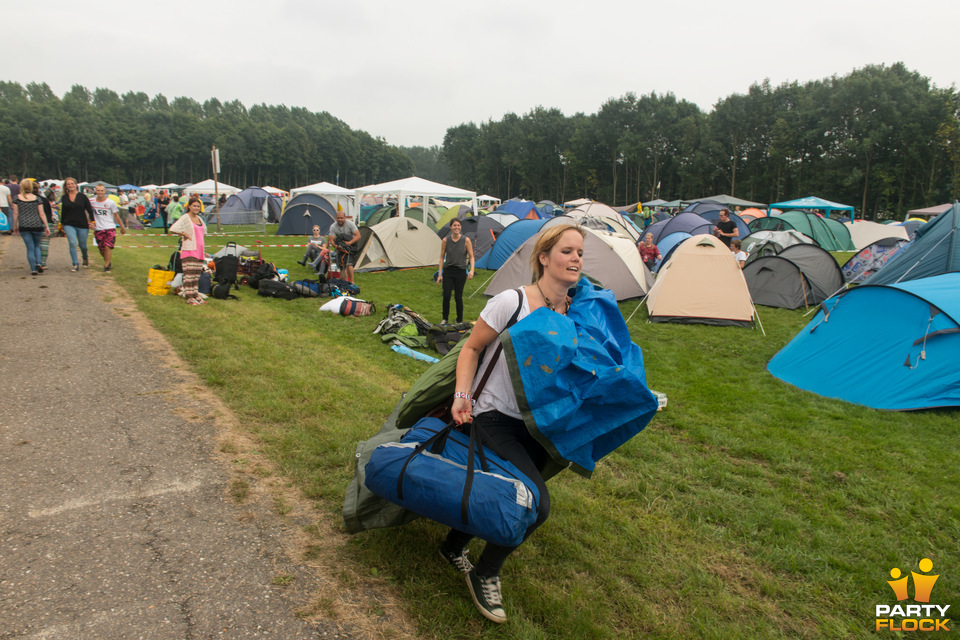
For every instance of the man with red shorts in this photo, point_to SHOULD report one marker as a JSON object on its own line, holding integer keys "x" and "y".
{"x": 106, "y": 217}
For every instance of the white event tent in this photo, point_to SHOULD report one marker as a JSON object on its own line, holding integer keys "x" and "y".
{"x": 488, "y": 200}
{"x": 209, "y": 187}
{"x": 335, "y": 194}
{"x": 414, "y": 187}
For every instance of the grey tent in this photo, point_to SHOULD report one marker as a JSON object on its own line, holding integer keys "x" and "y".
{"x": 249, "y": 206}
{"x": 610, "y": 259}
{"x": 799, "y": 276}
{"x": 770, "y": 243}
{"x": 304, "y": 211}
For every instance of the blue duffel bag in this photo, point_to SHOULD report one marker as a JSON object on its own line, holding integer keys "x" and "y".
{"x": 447, "y": 476}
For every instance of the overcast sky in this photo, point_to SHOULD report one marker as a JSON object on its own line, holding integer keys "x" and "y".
{"x": 407, "y": 70}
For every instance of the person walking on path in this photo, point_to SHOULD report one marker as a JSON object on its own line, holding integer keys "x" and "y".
{"x": 192, "y": 229}
{"x": 453, "y": 274}
{"x": 106, "y": 216}
{"x": 31, "y": 223}
{"x": 76, "y": 216}
{"x": 47, "y": 205}
{"x": 5, "y": 198}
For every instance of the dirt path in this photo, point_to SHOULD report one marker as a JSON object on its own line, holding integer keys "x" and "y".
{"x": 132, "y": 505}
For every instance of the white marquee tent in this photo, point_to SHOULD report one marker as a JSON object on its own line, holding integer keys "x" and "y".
{"x": 206, "y": 188}
{"x": 416, "y": 187}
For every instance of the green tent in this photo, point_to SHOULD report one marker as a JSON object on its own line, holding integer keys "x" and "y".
{"x": 829, "y": 234}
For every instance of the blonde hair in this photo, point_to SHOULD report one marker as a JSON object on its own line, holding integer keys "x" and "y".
{"x": 26, "y": 186}
{"x": 547, "y": 239}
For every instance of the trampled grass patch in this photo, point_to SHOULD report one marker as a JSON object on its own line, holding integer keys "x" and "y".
{"x": 747, "y": 509}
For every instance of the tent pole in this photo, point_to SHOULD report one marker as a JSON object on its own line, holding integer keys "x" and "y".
{"x": 757, "y": 316}
{"x": 482, "y": 285}
{"x": 642, "y": 300}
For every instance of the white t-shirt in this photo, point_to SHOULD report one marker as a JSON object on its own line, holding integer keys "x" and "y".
{"x": 4, "y": 196}
{"x": 498, "y": 393}
{"x": 740, "y": 256}
{"x": 103, "y": 214}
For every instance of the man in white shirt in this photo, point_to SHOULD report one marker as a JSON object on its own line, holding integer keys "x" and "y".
{"x": 106, "y": 217}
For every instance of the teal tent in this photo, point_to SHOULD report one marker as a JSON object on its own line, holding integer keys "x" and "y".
{"x": 935, "y": 251}
{"x": 811, "y": 202}
{"x": 829, "y": 234}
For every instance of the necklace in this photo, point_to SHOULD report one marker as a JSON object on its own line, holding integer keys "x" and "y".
{"x": 550, "y": 305}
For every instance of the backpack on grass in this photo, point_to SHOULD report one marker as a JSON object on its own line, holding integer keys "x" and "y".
{"x": 266, "y": 271}
{"x": 226, "y": 266}
{"x": 442, "y": 337}
{"x": 221, "y": 291}
{"x": 353, "y": 307}
{"x": 277, "y": 289}
{"x": 311, "y": 288}
{"x": 346, "y": 288}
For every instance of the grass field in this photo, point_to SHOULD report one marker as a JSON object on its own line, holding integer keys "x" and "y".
{"x": 747, "y": 509}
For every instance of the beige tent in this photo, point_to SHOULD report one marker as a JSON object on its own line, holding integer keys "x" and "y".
{"x": 864, "y": 233}
{"x": 701, "y": 283}
{"x": 610, "y": 259}
{"x": 399, "y": 243}
{"x": 608, "y": 216}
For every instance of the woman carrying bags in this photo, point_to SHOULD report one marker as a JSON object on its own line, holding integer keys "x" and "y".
{"x": 192, "y": 229}
{"x": 556, "y": 261}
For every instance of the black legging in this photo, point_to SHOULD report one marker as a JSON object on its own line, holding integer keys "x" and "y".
{"x": 509, "y": 438}
{"x": 453, "y": 280}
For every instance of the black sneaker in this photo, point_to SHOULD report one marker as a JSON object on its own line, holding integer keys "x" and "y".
{"x": 86, "y": 262}
{"x": 106, "y": 268}
{"x": 302, "y": 262}
{"x": 459, "y": 561}
{"x": 486, "y": 595}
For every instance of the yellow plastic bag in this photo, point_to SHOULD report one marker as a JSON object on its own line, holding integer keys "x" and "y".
{"x": 158, "y": 282}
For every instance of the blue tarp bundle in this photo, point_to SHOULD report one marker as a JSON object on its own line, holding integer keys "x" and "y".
{"x": 579, "y": 378}
{"x": 890, "y": 347}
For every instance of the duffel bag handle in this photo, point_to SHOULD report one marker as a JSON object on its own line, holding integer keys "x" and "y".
{"x": 436, "y": 443}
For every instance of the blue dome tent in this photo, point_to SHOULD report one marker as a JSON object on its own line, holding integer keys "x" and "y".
{"x": 511, "y": 238}
{"x": 854, "y": 349}
{"x": 304, "y": 211}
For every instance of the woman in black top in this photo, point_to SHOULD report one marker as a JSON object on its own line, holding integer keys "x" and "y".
{"x": 76, "y": 216}
{"x": 453, "y": 275}
{"x": 30, "y": 223}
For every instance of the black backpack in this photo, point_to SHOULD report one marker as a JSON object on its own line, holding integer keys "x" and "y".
{"x": 227, "y": 265}
{"x": 265, "y": 271}
{"x": 277, "y": 289}
{"x": 221, "y": 291}
{"x": 443, "y": 337}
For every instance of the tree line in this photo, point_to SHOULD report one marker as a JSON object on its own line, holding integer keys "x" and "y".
{"x": 100, "y": 135}
{"x": 880, "y": 138}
